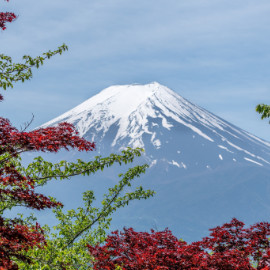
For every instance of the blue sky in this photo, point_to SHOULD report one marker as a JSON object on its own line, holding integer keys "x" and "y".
{"x": 213, "y": 52}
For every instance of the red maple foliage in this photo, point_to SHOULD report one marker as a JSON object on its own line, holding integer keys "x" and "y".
{"x": 14, "y": 235}
{"x": 6, "y": 17}
{"x": 229, "y": 247}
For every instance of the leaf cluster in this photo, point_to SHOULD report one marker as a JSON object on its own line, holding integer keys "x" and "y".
{"x": 264, "y": 110}
{"x": 6, "y": 17}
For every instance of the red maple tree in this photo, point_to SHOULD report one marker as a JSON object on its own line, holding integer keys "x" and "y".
{"x": 6, "y": 17}
{"x": 229, "y": 247}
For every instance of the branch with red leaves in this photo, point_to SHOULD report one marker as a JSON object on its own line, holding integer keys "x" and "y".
{"x": 6, "y": 17}
{"x": 50, "y": 139}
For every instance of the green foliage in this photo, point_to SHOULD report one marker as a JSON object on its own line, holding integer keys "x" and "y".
{"x": 14, "y": 72}
{"x": 66, "y": 242}
{"x": 264, "y": 110}
{"x": 42, "y": 171}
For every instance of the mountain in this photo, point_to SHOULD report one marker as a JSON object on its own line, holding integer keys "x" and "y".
{"x": 204, "y": 169}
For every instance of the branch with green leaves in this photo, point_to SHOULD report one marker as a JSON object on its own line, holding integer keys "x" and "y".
{"x": 11, "y": 72}
{"x": 66, "y": 245}
{"x": 264, "y": 110}
{"x": 42, "y": 171}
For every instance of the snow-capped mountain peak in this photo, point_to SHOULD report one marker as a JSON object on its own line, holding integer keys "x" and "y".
{"x": 147, "y": 115}
{"x": 131, "y": 105}
{"x": 128, "y": 106}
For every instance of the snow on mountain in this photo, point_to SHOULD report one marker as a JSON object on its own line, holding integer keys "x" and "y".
{"x": 140, "y": 116}
{"x": 130, "y": 106}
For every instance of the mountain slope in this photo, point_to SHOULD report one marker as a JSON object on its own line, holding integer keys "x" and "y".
{"x": 204, "y": 169}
